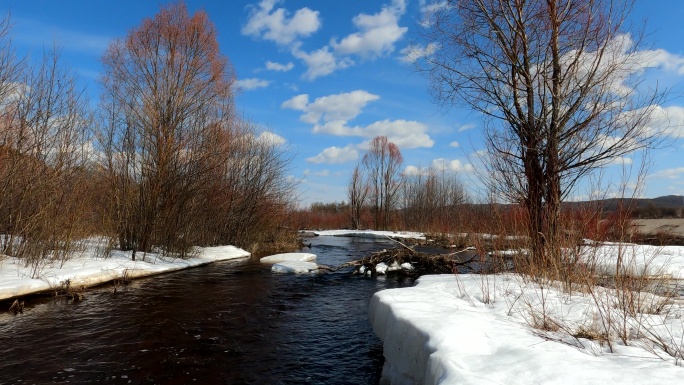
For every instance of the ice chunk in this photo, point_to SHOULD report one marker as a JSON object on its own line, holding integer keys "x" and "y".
{"x": 296, "y": 267}
{"x": 407, "y": 266}
{"x": 381, "y": 268}
{"x": 289, "y": 257}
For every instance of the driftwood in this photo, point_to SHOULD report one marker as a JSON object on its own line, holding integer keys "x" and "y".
{"x": 17, "y": 306}
{"x": 422, "y": 263}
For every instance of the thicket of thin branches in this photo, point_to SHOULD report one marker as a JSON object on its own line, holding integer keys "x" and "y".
{"x": 163, "y": 163}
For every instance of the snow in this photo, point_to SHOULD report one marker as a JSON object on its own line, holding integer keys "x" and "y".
{"x": 371, "y": 234}
{"x": 407, "y": 266}
{"x": 652, "y": 261}
{"x": 289, "y": 257}
{"x": 87, "y": 268}
{"x": 381, "y": 268}
{"x": 296, "y": 267}
{"x": 475, "y": 329}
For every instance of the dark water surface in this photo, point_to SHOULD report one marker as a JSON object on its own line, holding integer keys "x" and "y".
{"x": 225, "y": 323}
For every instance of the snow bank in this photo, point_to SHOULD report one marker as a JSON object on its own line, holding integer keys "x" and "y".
{"x": 471, "y": 329}
{"x": 654, "y": 261}
{"x": 371, "y": 234}
{"x": 86, "y": 269}
{"x": 296, "y": 267}
{"x": 289, "y": 257}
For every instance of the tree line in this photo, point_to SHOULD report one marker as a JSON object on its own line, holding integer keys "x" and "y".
{"x": 162, "y": 163}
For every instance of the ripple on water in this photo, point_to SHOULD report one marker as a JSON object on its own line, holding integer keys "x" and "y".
{"x": 226, "y": 323}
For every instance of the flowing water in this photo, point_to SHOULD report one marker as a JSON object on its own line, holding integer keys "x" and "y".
{"x": 224, "y": 323}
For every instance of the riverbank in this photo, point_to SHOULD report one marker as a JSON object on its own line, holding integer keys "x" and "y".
{"x": 89, "y": 267}
{"x": 512, "y": 329}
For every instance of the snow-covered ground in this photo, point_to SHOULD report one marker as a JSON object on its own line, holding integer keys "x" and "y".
{"x": 653, "y": 261}
{"x": 85, "y": 268}
{"x": 487, "y": 329}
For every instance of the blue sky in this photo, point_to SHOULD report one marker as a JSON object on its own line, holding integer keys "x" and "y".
{"x": 328, "y": 76}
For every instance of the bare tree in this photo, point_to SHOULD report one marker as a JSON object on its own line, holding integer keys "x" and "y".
{"x": 44, "y": 142}
{"x": 357, "y": 193}
{"x": 431, "y": 200}
{"x": 382, "y": 163}
{"x": 167, "y": 96}
{"x": 555, "y": 80}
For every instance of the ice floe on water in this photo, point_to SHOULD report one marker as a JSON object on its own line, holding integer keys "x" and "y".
{"x": 294, "y": 267}
{"x": 289, "y": 257}
{"x": 370, "y": 234}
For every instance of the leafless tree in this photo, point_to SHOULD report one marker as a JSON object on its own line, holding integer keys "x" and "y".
{"x": 382, "y": 163}
{"x": 44, "y": 146}
{"x": 556, "y": 82}
{"x": 431, "y": 200}
{"x": 167, "y": 95}
{"x": 357, "y": 193}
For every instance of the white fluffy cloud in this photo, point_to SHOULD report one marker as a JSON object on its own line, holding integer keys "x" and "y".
{"x": 335, "y": 155}
{"x": 271, "y": 138}
{"x": 439, "y": 165}
{"x": 414, "y": 52}
{"x": 404, "y": 133}
{"x": 338, "y": 107}
{"x": 272, "y": 66}
{"x": 669, "y": 120}
{"x": 277, "y": 25}
{"x": 252, "y": 84}
{"x": 376, "y": 36}
{"x": 670, "y": 173}
{"x": 377, "y": 33}
{"x": 320, "y": 62}
{"x": 331, "y": 114}
{"x": 454, "y": 144}
{"x": 451, "y": 165}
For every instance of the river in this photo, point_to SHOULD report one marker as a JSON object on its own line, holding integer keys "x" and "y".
{"x": 224, "y": 323}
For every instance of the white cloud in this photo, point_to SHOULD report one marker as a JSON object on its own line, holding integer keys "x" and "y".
{"x": 413, "y": 170}
{"x": 335, "y": 155}
{"x": 404, "y": 133}
{"x": 252, "y": 84}
{"x": 276, "y": 25}
{"x": 298, "y": 102}
{"x": 669, "y": 120}
{"x": 454, "y": 144}
{"x": 271, "y": 138}
{"x": 428, "y": 10}
{"x": 622, "y": 161}
{"x": 439, "y": 165}
{"x": 377, "y": 33}
{"x": 320, "y": 62}
{"x": 451, "y": 165}
{"x": 414, "y": 52}
{"x": 273, "y": 66}
{"x": 670, "y": 173}
{"x": 466, "y": 127}
{"x": 338, "y": 107}
{"x": 331, "y": 114}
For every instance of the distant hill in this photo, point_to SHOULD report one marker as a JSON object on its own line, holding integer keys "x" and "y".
{"x": 669, "y": 206}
